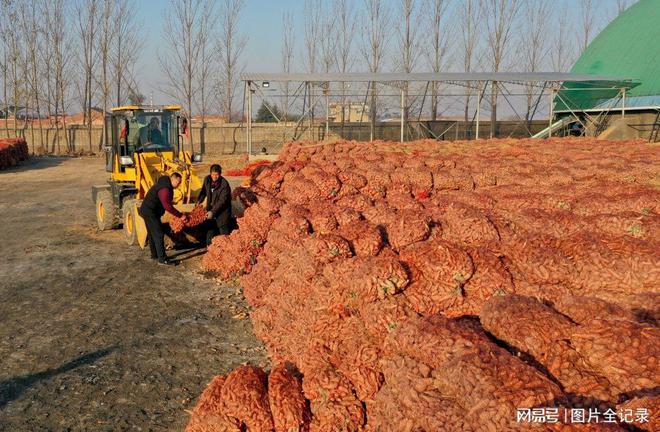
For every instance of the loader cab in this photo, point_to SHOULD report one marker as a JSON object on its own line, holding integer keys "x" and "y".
{"x": 134, "y": 129}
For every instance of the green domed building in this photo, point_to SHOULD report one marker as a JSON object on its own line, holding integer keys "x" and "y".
{"x": 628, "y": 47}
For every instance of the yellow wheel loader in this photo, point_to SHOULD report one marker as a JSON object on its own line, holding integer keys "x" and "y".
{"x": 142, "y": 144}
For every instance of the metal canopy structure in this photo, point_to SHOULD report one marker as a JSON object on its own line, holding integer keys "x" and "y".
{"x": 479, "y": 81}
{"x": 527, "y": 77}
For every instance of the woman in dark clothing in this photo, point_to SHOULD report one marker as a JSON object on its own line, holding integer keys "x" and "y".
{"x": 158, "y": 201}
{"x": 217, "y": 192}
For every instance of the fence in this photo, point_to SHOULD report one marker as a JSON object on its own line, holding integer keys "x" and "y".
{"x": 229, "y": 139}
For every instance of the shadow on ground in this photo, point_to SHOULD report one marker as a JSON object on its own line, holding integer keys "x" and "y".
{"x": 12, "y": 388}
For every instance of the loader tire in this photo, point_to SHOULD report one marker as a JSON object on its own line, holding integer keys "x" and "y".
{"x": 106, "y": 211}
{"x": 129, "y": 215}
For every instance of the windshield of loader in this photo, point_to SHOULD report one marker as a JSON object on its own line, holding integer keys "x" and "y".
{"x": 151, "y": 131}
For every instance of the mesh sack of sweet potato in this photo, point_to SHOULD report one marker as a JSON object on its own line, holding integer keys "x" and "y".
{"x": 490, "y": 278}
{"x": 465, "y": 224}
{"x": 286, "y": 398}
{"x": 617, "y": 265}
{"x": 12, "y": 151}
{"x": 322, "y": 217}
{"x": 365, "y": 279}
{"x": 334, "y": 405}
{"x": 357, "y": 358}
{"x": 484, "y": 179}
{"x": 245, "y": 398}
{"x": 358, "y": 202}
{"x": 630, "y": 223}
{"x": 642, "y": 412}
{"x": 582, "y": 309}
{"x": 325, "y": 248}
{"x": 452, "y": 179}
{"x": 298, "y": 190}
{"x": 538, "y": 330}
{"x": 346, "y": 215}
{"x": 256, "y": 283}
{"x": 407, "y": 227}
{"x": 270, "y": 178}
{"x": 327, "y": 185}
{"x": 438, "y": 271}
{"x": 411, "y": 179}
{"x": 351, "y": 177}
{"x": 257, "y": 219}
{"x": 624, "y": 352}
{"x": 408, "y": 402}
{"x": 386, "y": 315}
{"x": 538, "y": 260}
{"x": 365, "y": 238}
{"x": 227, "y": 258}
{"x": 403, "y": 200}
{"x": 533, "y": 221}
{"x": 196, "y": 217}
{"x": 472, "y": 371}
{"x": 209, "y": 412}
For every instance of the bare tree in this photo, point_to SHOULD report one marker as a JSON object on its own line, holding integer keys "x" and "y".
{"x": 561, "y": 53}
{"x": 345, "y": 59}
{"x": 105, "y": 42}
{"x": 12, "y": 45}
{"x": 408, "y": 45}
{"x": 534, "y": 45}
{"x": 374, "y": 32}
{"x": 230, "y": 45}
{"x": 181, "y": 62}
{"x": 5, "y": 60}
{"x": 313, "y": 22}
{"x": 438, "y": 46}
{"x": 31, "y": 26}
{"x": 587, "y": 23}
{"x": 313, "y": 18}
{"x": 59, "y": 46}
{"x": 622, "y": 5}
{"x": 207, "y": 63}
{"x": 500, "y": 19}
{"x": 469, "y": 15}
{"x": 87, "y": 13}
{"x": 288, "y": 43}
{"x": 126, "y": 45}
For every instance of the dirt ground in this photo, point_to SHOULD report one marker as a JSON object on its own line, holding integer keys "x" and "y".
{"x": 94, "y": 336}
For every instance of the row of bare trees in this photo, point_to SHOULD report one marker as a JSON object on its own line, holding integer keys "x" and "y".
{"x": 202, "y": 58}
{"x": 448, "y": 35}
{"x": 59, "y": 54}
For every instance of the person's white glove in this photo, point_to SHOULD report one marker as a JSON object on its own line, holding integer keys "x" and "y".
{"x": 209, "y": 215}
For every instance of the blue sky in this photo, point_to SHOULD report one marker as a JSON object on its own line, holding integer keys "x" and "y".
{"x": 261, "y": 22}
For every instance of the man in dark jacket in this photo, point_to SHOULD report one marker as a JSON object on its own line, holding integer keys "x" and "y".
{"x": 158, "y": 201}
{"x": 217, "y": 192}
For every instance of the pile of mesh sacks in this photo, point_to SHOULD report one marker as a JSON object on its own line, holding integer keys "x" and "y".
{"x": 12, "y": 152}
{"x": 428, "y": 286}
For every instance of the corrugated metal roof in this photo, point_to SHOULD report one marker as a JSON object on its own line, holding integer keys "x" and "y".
{"x": 445, "y": 77}
{"x": 628, "y": 46}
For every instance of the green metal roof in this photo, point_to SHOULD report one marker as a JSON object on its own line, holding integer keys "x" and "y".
{"x": 629, "y": 46}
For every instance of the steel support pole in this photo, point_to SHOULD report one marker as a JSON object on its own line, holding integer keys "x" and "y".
{"x": 249, "y": 119}
{"x": 551, "y": 113}
{"x": 623, "y": 103}
{"x": 478, "y": 114}
{"x": 403, "y": 102}
{"x": 327, "y": 111}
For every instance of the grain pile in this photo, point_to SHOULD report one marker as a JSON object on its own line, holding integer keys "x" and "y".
{"x": 431, "y": 286}
{"x": 12, "y": 151}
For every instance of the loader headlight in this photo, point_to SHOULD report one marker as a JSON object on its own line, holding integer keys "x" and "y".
{"x": 126, "y": 160}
